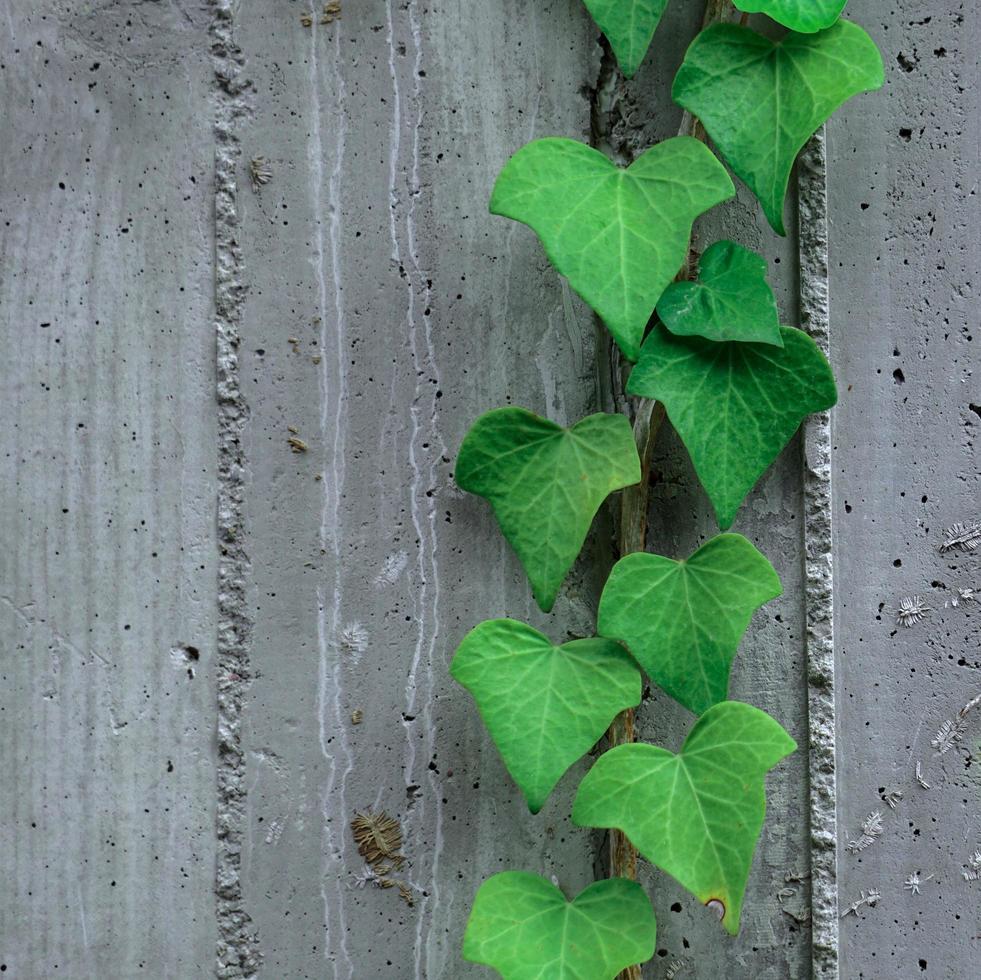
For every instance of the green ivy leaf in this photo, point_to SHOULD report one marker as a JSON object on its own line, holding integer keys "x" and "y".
{"x": 522, "y": 926}
{"x": 735, "y": 406}
{"x": 545, "y": 706}
{"x": 697, "y": 814}
{"x": 761, "y": 101}
{"x": 683, "y": 620}
{"x": 618, "y": 235}
{"x": 546, "y": 483}
{"x": 806, "y": 16}
{"x": 629, "y": 26}
{"x": 730, "y": 300}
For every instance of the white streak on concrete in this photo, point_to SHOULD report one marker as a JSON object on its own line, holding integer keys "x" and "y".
{"x": 425, "y": 446}
{"x": 334, "y": 743}
{"x": 81, "y": 917}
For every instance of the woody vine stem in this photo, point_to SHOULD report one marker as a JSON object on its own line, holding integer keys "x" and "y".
{"x": 648, "y": 418}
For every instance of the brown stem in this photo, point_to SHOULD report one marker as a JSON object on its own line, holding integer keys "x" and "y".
{"x": 648, "y": 417}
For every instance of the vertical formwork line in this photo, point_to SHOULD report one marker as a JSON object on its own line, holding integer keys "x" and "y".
{"x": 815, "y": 315}
{"x": 237, "y": 952}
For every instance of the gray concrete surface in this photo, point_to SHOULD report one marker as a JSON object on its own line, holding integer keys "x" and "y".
{"x": 107, "y": 494}
{"x": 193, "y": 614}
{"x": 904, "y": 283}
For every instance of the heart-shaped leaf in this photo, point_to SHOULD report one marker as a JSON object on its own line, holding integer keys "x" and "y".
{"x": 629, "y": 26}
{"x": 522, "y": 926}
{"x": 546, "y": 483}
{"x": 697, "y": 815}
{"x": 731, "y": 299}
{"x": 545, "y": 706}
{"x": 805, "y": 16}
{"x": 735, "y": 406}
{"x": 761, "y": 100}
{"x": 683, "y": 620}
{"x": 618, "y": 235}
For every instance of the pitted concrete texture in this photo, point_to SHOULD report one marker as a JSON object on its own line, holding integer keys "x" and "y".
{"x": 108, "y": 560}
{"x": 904, "y": 279}
{"x": 252, "y": 299}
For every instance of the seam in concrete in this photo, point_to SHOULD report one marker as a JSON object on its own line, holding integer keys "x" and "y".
{"x": 815, "y": 315}
{"x": 238, "y": 953}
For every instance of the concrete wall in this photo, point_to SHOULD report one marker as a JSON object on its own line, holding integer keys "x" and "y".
{"x": 904, "y": 289}
{"x": 107, "y": 494}
{"x": 215, "y": 650}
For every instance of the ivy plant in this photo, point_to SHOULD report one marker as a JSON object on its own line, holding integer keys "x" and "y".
{"x": 805, "y": 16}
{"x": 730, "y": 299}
{"x": 629, "y": 26}
{"x": 734, "y": 405}
{"x": 523, "y": 926}
{"x": 762, "y": 100}
{"x": 546, "y": 483}
{"x": 545, "y": 706}
{"x": 696, "y": 814}
{"x": 735, "y": 385}
{"x": 619, "y": 235}
{"x": 683, "y": 620}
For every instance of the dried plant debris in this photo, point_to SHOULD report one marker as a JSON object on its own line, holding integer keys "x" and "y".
{"x": 948, "y": 735}
{"x": 354, "y": 639}
{"x": 370, "y": 877}
{"x": 962, "y": 537}
{"x": 306, "y": 19}
{"x": 799, "y": 911}
{"x": 395, "y": 565}
{"x": 871, "y": 831}
{"x": 961, "y": 595}
{"x": 952, "y": 730}
{"x": 891, "y": 797}
{"x": 871, "y": 898}
{"x": 260, "y": 173}
{"x": 801, "y": 916}
{"x": 972, "y": 871}
{"x": 366, "y": 877}
{"x": 919, "y": 776}
{"x": 915, "y": 881}
{"x": 332, "y": 12}
{"x": 379, "y": 840}
{"x": 297, "y": 445}
{"x": 357, "y": 716}
{"x": 911, "y": 611}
